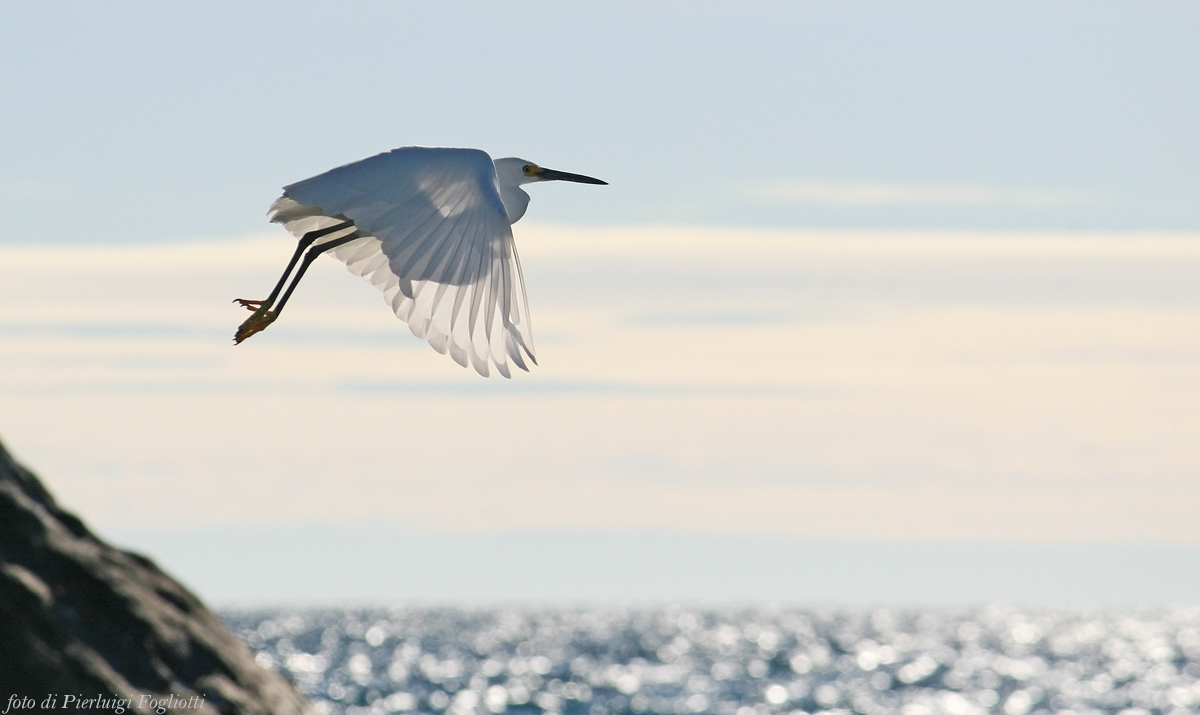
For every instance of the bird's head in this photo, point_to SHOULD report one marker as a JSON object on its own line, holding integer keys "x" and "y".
{"x": 515, "y": 172}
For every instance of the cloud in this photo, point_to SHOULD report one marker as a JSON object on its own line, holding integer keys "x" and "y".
{"x": 820, "y": 384}
{"x": 857, "y": 194}
{"x": 30, "y": 189}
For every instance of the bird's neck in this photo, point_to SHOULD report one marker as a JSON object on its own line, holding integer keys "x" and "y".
{"x": 515, "y": 202}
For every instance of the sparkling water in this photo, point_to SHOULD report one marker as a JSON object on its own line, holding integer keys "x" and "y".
{"x": 677, "y": 660}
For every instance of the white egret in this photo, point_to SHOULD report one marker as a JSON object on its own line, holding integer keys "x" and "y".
{"x": 431, "y": 228}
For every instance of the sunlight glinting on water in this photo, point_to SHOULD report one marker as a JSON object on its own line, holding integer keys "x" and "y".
{"x": 676, "y": 661}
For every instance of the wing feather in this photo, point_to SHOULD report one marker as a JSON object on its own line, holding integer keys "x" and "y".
{"x": 498, "y": 341}
{"x": 480, "y": 298}
{"x": 435, "y": 239}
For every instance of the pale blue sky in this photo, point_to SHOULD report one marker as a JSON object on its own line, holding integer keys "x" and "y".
{"x": 143, "y": 121}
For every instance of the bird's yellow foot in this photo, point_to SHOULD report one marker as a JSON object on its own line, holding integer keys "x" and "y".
{"x": 250, "y": 305}
{"x": 261, "y": 319}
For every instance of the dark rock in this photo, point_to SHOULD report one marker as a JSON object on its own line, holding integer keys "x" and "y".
{"x": 79, "y": 617}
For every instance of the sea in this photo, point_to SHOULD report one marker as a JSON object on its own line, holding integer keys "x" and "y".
{"x": 677, "y": 660}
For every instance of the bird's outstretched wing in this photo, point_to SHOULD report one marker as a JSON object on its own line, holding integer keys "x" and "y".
{"x": 436, "y": 241}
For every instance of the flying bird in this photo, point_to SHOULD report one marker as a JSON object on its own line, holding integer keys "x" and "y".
{"x": 431, "y": 228}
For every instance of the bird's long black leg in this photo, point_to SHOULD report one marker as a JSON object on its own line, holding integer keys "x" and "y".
{"x": 264, "y": 316}
{"x": 308, "y": 259}
{"x": 305, "y": 241}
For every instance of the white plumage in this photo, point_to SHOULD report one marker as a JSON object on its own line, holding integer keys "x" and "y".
{"x": 430, "y": 227}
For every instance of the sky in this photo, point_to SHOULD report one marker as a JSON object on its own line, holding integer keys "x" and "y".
{"x": 884, "y": 302}
{"x": 155, "y": 122}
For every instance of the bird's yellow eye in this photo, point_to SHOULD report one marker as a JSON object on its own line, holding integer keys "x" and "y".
{"x": 529, "y": 169}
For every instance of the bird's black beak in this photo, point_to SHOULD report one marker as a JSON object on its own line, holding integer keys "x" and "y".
{"x": 552, "y": 175}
